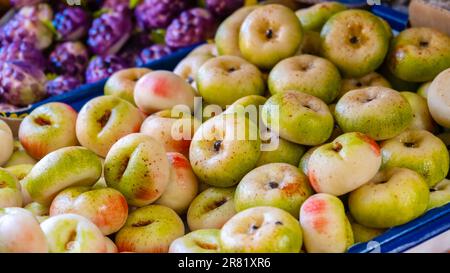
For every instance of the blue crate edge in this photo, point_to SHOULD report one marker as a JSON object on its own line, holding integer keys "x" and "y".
{"x": 404, "y": 237}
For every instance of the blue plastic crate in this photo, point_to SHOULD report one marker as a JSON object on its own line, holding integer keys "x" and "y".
{"x": 411, "y": 234}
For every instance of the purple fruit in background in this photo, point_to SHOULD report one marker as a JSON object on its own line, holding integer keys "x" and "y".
{"x": 190, "y": 27}
{"x": 22, "y": 51}
{"x": 102, "y": 67}
{"x": 41, "y": 12}
{"x": 69, "y": 58}
{"x": 21, "y": 83}
{"x": 223, "y": 8}
{"x": 109, "y": 32}
{"x": 61, "y": 84}
{"x": 22, "y": 3}
{"x": 22, "y": 29}
{"x": 153, "y": 52}
{"x": 71, "y": 24}
{"x": 152, "y": 14}
{"x": 116, "y": 5}
{"x": 134, "y": 45}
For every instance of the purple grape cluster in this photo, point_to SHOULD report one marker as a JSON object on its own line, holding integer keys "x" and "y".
{"x": 152, "y": 14}
{"x": 71, "y": 23}
{"x": 61, "y": 85}
{"x": 223, "y": 8}
{"x": 109, "y": 33}
{"x": 23, "y": 51}
{"x": 153, "y": 52}
{"x": 190, "y": 27}
{"x": 69, "y": 58}
{"x": 21, "y": 83}
{"x": 102, "y": 67}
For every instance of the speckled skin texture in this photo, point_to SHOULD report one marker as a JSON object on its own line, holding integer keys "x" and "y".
{"x": 137, "y": 166}
{"x": 182, "y": 187}
{"x": 284, "y": 40}
{"x": 286, "y": 152}
{"x": 70, "y": 166}
{"x": 255, "y": 100}
{"x": 303, "y": 166}
{"x": 230, "y": 76}
{"x": 104, "y": 120}
{"x": 418, "y": 150}
{"x": 72, "y": 233}
{"x": 262, "y": 230}
{"x": 212, "y": 208}
{"x": 227, "y": 35}
{"x": 363, "y": 46}
{"x": 314, "y": 17}
{"x": 224, "y": 163}
{"x": 150, "y": 229}
{"x": 378, "y": 112}
{"x": 422, "y": 119}
{"x": 10, "y": 195}
{"x": 20, "y": 232}
{"x": 277, "y": 185}
{"x": 390, "y": 199}
{"x": 21, "y": 83}
{"x": 107, "y": 208}
{"x": 199, "y": 241}
{"x": 162, "y": 90}
{"x": 303, "y": 119}
{"x": 439, "y": 99}
{"x": 441, "y": 194}
{"x": 160, "y": 126}
{"x": 189, "y": 67}
{"x": 308, "y": 74}
{"x": 371, "y": 79}
{"x": 48, "y": 128}
{"x": 325, "y": 225}
{"x": 419, "y": 54}
{"x": 122, "y": 83}
{"x": 336, "y": 168}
